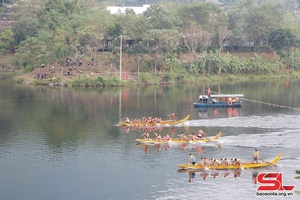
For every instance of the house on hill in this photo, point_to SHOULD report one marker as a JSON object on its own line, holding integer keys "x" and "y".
{"x": 215, "y": 2}
{"x": 117, "y": 10}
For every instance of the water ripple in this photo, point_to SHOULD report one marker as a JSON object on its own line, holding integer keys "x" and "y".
{"x": 273, "y": 121}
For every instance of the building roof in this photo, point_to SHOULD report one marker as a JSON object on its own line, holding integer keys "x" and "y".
{"x": 117, "y": 10}
{"x": 226, "y": 95}
{"x": 214, "y": 2}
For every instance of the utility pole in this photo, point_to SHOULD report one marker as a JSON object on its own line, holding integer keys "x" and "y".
{"x": 121, "y": 58}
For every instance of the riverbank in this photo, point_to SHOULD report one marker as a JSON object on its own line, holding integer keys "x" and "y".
{"x": 104, "y": 73}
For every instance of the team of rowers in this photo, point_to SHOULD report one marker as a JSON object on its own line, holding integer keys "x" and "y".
{"x": 152, "y": 120}
{"x": 201, "y": 134}
{"x": 215, "y": 162}
{"x": 145, "y": 120}
{"x": 223, "y": 161}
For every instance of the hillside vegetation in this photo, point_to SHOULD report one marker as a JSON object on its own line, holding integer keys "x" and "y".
{"x": 78, "y": 42}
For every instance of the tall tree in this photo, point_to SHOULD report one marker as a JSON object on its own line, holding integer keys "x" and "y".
{"x": 282, "y": 40}
{"x": 222, "y": 33}
{"x": 205, "y": 14}
{"x": 158, "y": 17}
{"x": 195, "y": 37}
{"x": 162, "y": 42}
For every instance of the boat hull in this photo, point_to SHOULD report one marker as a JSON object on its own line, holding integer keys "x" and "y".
{"x": 218, "y": 105}
{"x": 225, "y": 167}
{"x": 179, "y": 140}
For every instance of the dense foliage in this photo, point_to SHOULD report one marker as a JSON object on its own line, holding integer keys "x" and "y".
{"x": 53, "y": 30}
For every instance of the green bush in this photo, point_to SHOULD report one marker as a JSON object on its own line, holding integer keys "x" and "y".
{"x": 167, "y": 78}
{"x": 180, "y": 78}
{"x": 148, "y": 78}
{"x": 100, "y": 81}
{"x": 19, "y": 79}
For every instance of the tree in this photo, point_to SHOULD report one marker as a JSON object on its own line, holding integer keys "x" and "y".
{"x": 205, "y": 14}
{"x": 251, "y": 21}
{"x": 6, "y": 39}
{"x": 194, "y": 37}
{"x": 23, "y": 29}
{"x": 138, "y": 50}
{"x": 223, "y": 33}
{"x": 158, "y": 17}
{"x": 282, "y": 40}
{"x": 260, "y": 20}
{"x": 161, "y": 42}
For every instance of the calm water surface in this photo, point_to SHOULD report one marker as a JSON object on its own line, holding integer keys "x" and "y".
{"x": 62, "y": 143}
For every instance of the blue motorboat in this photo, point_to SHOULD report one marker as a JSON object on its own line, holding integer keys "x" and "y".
{"x": 219, "y": 100}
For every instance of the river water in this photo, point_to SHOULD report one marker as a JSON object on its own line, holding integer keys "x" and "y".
{"x": 65, "y": 143}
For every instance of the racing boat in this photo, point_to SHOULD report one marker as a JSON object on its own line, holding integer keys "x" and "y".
{"x": 179, "y": 140}
{"x": 237, "y": 166}
{"x": 165, "y": 122}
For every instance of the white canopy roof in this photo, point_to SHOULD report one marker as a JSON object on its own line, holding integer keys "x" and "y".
{"x": 226, "y": 95}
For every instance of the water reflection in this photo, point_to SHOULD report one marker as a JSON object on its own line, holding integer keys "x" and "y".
{"x": 211, "y": 174}
{"x": 126, "y": 129}
{"x": 254, "y": 177}
{"x": 215, "y": 174}
{"x": 192, "y": 175}
{"x": 207, "y": 113}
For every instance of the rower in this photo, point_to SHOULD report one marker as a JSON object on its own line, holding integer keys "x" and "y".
{"x": 204, "y": 162}
{"x": 146, "y": 135}
{"x": 201, "y": 133}
{"x": 222, "y": 161}
{"x": 226, "y": 161}
{"x": 167, "y": 137}
{"x": 158, "y": 136}
{"x": 183, "y": 136}
{"x": 172, "y": 116}
{"x": 127, "y": 120}
{"x": 237, "y": 161}
{"x": 193, "y": 137}
{"x": 216, "y": 162}
{"x": 232, "y": 162}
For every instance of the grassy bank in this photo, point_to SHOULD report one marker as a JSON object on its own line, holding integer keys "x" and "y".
{"x": 150, "y": 79}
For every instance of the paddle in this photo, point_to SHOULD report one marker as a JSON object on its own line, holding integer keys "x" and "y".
{"x": 241, "y": 166}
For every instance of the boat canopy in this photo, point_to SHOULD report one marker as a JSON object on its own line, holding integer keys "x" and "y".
{"x": 226, "y": 95}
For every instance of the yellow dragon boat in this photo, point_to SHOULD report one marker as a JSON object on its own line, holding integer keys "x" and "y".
{"x": 238, "y": 166}
{"x": 179, "y": 140}
{"x": 165, "y": 122}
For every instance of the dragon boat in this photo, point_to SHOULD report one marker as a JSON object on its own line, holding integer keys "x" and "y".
{"x": 165, "y": 122}
{"x": 237, "y": 166}
{"x": 179, "y": 140}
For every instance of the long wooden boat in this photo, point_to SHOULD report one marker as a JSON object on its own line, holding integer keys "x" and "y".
{"x": 225, "y": 167}
{"x": 165, "y": 122}
{"x": 179, "y": 140}
{"x": 219, "y": 100}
